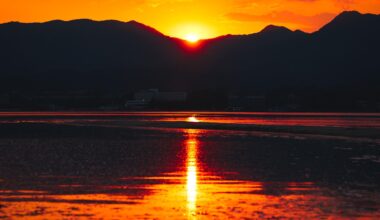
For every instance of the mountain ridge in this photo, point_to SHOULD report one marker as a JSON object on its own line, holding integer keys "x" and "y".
{"x": 112, "y": 55}
{"x": 268, "y": 28}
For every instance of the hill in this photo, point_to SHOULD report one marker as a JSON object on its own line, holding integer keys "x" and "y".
{"x": 337, "y": 63}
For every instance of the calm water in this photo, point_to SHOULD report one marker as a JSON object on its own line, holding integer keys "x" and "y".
{"x": 118, "y": 166}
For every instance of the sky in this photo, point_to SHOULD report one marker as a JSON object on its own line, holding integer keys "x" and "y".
{"x": 190, "y": 18}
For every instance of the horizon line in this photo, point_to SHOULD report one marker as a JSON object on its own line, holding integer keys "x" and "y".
{"x": 203, "y": 39}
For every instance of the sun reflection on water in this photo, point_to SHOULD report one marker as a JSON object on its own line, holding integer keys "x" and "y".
{"x": 192, "y": 119}
{"x": 196, "y": 183}
{"x": 192, "y": 169}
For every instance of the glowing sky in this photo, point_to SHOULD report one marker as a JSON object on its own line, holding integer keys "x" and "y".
{"x": 203, "y": 18}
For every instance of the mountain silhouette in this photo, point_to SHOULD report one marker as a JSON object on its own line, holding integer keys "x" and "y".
{"x": 340, "y": 58}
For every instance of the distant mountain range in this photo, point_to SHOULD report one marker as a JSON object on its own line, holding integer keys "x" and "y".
{"x": 342, "y": 57}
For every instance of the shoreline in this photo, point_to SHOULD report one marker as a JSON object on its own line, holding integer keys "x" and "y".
{"x": 359, "y": 134}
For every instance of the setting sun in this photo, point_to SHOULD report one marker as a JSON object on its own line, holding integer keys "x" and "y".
{"x": 192, "y": 38}
{"x": 192, "y": 32}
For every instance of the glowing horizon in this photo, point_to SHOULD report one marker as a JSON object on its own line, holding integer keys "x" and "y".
{"x": 180, "y": 18}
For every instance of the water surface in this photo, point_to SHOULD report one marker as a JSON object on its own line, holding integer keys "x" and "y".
{"x": 106, "y": 166}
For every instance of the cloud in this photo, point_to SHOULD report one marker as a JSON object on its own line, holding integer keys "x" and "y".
{"x": 307, "y": 23}
{"x": 343, "y": 4}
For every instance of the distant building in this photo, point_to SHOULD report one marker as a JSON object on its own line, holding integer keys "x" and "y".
{"x": 136, "y": 104}
{"x": 146, "y": 95}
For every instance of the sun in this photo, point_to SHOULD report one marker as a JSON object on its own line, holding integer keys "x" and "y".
{"x": 193, "y": 119}
{"x": 192, "y": 33}
{"x": 192, "y": 38}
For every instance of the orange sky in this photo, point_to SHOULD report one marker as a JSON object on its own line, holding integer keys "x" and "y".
{"x": 204, "y": 18}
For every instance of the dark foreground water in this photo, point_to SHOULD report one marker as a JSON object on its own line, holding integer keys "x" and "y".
{"x": 160, "y": 166}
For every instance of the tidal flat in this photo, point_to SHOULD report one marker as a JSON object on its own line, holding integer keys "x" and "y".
{"x": 160, "y": 166}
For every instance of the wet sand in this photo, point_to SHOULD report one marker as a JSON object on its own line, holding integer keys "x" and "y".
{"x": 131, "y": 169}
